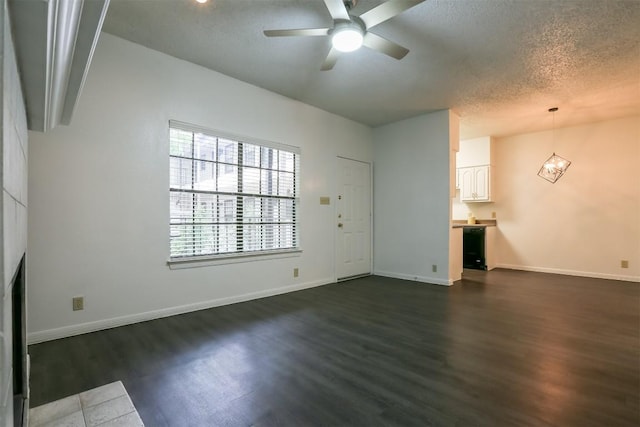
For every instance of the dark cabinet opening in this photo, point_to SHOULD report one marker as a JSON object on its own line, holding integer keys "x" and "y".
{"x": 473, "y": 254}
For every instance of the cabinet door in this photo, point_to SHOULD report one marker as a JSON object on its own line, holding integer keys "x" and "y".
{"x": 467, "y": 190}
{"x": 481, "y": 179}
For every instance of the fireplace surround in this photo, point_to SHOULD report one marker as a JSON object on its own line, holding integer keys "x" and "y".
{"x": 20, "y": 362}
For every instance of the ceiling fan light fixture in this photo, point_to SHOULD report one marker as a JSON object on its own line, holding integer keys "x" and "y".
{"x": 350, "y": 32}
{"x": 347, "y": 38}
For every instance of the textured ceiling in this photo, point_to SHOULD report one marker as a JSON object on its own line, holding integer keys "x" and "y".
{"x": 500, "y": 64}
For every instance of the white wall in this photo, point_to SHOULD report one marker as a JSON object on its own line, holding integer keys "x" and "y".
{"x": 412, "y": 198}
{"x": 98, "y": 223}
{"x": 13, "y": 212}
{"x": 585, "y": 223}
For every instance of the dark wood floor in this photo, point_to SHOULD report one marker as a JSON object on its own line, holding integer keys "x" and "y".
{"x": 501, "y": 348}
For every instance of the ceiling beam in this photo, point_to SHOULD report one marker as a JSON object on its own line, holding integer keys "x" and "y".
{"x": 54, "y": 42}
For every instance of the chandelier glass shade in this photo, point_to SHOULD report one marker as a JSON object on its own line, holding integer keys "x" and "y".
{"x": 553, "y": 168}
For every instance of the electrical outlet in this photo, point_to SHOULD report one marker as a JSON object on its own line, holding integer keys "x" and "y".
{"x": 78, "y": 303}
{"x": 624, "y": 263}
{"x": 434, "y": 268}
{"x": 296, "y": 272}
{"x": 493, "y": 215}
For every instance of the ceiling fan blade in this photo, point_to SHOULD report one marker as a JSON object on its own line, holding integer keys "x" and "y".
{"x": 337, "y": 9}
{"x": 300, "y": 32}
{"x": 330, "y": 60}
{"x": 387, "y": 10}
{"x": 375, "y": 42}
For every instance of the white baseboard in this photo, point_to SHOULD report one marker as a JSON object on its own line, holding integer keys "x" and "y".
{"x": 570, "y": 272}
{"x": 422, "y": 279}
{"x": 83, "y": 328}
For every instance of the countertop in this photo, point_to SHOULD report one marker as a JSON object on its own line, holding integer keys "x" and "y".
{"x": 461, "y": 223}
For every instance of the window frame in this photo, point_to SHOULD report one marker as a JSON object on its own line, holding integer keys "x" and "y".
{"x": 239, "y": 254}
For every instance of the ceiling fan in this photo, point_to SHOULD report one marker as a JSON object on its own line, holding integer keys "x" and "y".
{"x": 349, "y": 32}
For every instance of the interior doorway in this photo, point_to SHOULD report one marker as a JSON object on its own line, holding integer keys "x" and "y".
{"x": 353, "y": 219}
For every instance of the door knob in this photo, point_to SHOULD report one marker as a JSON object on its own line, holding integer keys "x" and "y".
{"x": 339, "y": 225}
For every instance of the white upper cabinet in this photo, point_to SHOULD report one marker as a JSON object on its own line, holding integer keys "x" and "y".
{"x": 474, "y": 152}
{"x": 473, "y": 163}
{"x": 475, "y": 184}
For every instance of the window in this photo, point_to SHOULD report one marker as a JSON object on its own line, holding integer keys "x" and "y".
{"x": 229, "y": 196}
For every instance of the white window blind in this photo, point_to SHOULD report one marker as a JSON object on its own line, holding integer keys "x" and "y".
{"x": 230, "y": 196}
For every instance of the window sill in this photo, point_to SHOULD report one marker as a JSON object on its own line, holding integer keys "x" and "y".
{"x": 211, "y": 260}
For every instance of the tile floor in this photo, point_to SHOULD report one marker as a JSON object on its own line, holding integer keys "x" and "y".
{"x": 105, "y": 406}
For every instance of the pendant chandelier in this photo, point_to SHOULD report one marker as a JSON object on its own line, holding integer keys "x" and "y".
{"x": 555, "y": 166}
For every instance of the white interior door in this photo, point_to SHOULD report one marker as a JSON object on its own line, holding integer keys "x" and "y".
{"x": 353, "y": 219}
